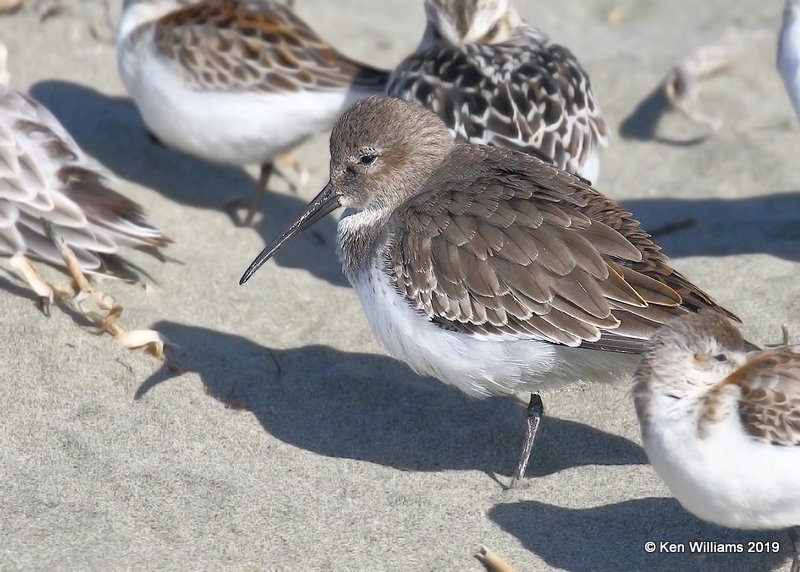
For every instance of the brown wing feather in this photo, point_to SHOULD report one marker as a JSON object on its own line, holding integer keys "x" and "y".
{"x": 259, "y": 46}
{"x": 499, "y": 243}
{"x": 769, "y": 406}
{"x": 107, "y": 209}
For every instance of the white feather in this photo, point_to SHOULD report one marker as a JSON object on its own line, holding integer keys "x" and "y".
{"x": 725, "y": 476}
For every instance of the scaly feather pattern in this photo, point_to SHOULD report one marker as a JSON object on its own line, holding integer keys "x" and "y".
{"x": 523, "y": 92}
{"x": 256, "y": 46}
{"x": 45, "y": 175}
{"x": 499, "y": 244}
{"x": 769, "y": 406}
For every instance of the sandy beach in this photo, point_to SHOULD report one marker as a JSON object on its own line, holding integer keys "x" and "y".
{"x": 290, "y": 440}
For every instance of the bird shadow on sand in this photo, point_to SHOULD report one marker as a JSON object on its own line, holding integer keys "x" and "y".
{"x": 766, "y": 224}
{"x": 613, "y": 537}
{"x": 642, "y": 123}
{"x": 373, "y": 408}
{"x": 110, "y": 130}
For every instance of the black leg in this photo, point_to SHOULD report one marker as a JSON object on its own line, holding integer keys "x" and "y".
{"x": 794, "y": 534}
{"x": 263, "y": 181}
{"x": 534, "y": 418}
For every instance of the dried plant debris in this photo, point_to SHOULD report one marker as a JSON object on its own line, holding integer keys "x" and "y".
{"x": 99, "y": 308}
{"x": 785, "y": 337}
{"x": 151, "y": 341}
{"x": 44, "y": 291}
{"x": 491, "y": 561}
{"x": 681, "y": 84}
{"x": 73, "y": 266}
{"x": 785, "y": 333}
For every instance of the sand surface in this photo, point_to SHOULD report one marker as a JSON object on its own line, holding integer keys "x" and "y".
{"x": 291, "y": 441}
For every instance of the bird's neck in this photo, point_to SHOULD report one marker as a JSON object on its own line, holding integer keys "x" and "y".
{"x": 362, "y": 237}
{"x": 135, "y": 13}
{"x": 430, "y": 38}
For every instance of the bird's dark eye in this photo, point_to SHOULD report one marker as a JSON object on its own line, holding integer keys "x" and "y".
{"x": 721, "y": 357}
{"x": 367, "y": 159}
{"x": 493, "y": 31}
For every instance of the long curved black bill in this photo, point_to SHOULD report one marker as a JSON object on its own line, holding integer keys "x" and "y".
{"x": 323, "y": 204}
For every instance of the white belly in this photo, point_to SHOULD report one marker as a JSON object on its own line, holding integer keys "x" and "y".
{"x": 726, "y": 477}
{"x": 239, "y": 128}
{"x": 479, "y": 367}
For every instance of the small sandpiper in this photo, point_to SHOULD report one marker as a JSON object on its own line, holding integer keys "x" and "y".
{"x": 234, "y": 81}
{"x": 44, "y": 175}
{"x": 721, "y": 425}
{"x": 789, "y": 52}
{"x": 486, "y": 267}
{"x": 496, "y": 80}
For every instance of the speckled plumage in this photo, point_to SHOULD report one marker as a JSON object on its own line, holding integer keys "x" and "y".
{"x": 493, "y": 79}
{"x": 770, "y": 404}
{"x": 45, "y": 175}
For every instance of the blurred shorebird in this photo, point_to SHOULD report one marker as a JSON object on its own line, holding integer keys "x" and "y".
{"x": 721, "y": 425}
{"x": 494, "y": 79}
{"x": 485, "y": 267}
{"x": 44, "y": 176}
{"x": 234, "y": 81}
{"x": 789, "y": 52}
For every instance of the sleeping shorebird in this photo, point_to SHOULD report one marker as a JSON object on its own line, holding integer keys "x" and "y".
{"x": 721, "y": 425}
{"x": 234, "y": 81}
{"x": 496, "y": 80}
{"x": 47, "y": 182}
{"x": 485, "y": 267}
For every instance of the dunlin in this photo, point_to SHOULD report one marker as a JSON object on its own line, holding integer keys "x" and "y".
{"x": 789, "y": 52}
{"x": 234, "y": 81}
{"x": 486, "y": 267}
{"x": 496, "y": 80}
{"x": 721, "y": 425}
{"x": 44, "y": 175}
